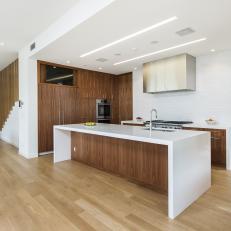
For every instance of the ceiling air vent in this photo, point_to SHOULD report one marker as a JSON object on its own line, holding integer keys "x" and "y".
{"x": 32, "y": 46}
{"x": 102, "y": 60}
{"x": 185, "y": 31}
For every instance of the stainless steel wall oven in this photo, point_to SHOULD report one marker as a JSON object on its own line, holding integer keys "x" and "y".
{"x": 103, "y": 111}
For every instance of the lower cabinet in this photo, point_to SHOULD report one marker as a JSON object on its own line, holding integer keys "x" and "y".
{"x": 144, "y": 163}
{"x": 218, "y": 145}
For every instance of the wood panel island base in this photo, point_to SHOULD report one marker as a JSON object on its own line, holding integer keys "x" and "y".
{"x": 142, "y": 162}
{"x": 175, "y": 163}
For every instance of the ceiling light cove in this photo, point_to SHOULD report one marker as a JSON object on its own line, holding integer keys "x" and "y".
{"x": 131, "y": 36}
{"x": 161, "y": 51}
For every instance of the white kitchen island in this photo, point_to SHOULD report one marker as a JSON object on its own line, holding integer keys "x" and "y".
{"x": 188, "y": 155}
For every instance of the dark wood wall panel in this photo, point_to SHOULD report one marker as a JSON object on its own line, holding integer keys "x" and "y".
{"x": 8, "y": 90}
{"x": 95, "y": 85}
{"x": 142, "y": 162}
{"x": 78, "y": 102}
{"x": 56, "y": 105}
{"x": 125, "y": 97}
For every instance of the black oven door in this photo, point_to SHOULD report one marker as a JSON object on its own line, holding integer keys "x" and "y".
{"x": 103, "y": 110}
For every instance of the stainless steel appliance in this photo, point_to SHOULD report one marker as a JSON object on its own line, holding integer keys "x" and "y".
{"x": 103, "y": 111}
{"x": 177, "y": 73}
{"x": 150, "y": 122}
{"x": 165, "y": 124}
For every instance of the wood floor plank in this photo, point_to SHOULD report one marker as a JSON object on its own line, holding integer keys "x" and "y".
{"x": 37, "y": 195}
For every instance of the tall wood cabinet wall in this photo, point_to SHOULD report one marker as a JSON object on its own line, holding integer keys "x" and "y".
{"x": 77, "y": 104}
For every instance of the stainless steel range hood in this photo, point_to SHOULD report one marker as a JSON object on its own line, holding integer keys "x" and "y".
{"x": 177, "y": 73}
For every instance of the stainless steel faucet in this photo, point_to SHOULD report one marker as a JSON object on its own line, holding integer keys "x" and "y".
{"x": 153, "y": 110}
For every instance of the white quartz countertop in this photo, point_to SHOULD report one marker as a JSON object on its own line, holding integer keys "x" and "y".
{"x": 193, "y": 125}
{"x": 209, "y": 126}
{"x": 132, "y": 122}
{"x": 132, "y": 133}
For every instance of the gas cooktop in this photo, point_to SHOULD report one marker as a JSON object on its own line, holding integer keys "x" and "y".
{"x": 169, "y": 122}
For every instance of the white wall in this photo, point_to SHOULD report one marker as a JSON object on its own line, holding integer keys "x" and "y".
{"x": 212, "y": 97}
{"x": 28, "y": 114}
{"x": 9, "y": 132}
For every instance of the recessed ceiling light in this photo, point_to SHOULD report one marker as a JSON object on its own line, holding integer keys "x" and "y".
{"x": 131, "y": 36}
{"x": 161, "y": 51}
{"x": 154, "y": 42}
{"x": 101, "y": 60}
{"x": 2, "y": 44}
{"x": 185, "y": 31}
{"x": 100, "y": 68}
{"x": 135, "y": 68}
{"x": 134, "y": 48}
{"x": 212, "y": 50}
{"x": 117, "y": 54}
{"x": 68, "y": 61}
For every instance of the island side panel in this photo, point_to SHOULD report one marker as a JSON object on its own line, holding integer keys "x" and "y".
{"x": 189, "y": 172}
{"x": 144, "y": 163}
{"x": 62, "y": 145}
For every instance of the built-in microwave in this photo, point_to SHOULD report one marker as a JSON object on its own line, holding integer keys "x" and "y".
{"x": 103, "y": 111}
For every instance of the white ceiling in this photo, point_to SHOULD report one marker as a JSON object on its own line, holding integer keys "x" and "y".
{"x": 21, "y": 21}
{"x": 209, "y": 18}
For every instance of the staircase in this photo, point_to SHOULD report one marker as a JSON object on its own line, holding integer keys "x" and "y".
{"x": 8, "y": 98}
{"x": 9, "y": 132}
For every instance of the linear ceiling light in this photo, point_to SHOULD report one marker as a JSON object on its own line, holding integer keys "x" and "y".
{"x": 161, "y": 51}
{"x": 130, "y": 36}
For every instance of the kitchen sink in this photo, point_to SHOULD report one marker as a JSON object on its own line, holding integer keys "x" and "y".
{"x": 160, "y": 129}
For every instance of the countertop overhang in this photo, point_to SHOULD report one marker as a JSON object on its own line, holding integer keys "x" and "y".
{"x": 132, "y": 133}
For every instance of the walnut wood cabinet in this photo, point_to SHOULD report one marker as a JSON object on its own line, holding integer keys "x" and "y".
{"x": 218, "y": 145}
{"x": 59, "y": 104}
{"x": 141, "y": 162}
{"x": 124, "y": 94}
{"x": 56, "y": 105}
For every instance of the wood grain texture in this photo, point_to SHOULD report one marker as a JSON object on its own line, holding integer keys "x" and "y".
{"x": 78, "y": 102}
{"x": 56, "y": 105}
{"x": 38, "y": 195}
{"x": 142, "y": 162}
{"x": 124, "y": 95}
{"x": 218, "y": 145}
{"x": 94, "y": 85}
{"x": 8, "y": 90}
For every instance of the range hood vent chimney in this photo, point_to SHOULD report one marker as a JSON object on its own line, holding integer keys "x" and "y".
{"x": 177, "y": 73}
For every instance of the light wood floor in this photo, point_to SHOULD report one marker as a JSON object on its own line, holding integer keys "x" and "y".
{"x": 37, "y": 195}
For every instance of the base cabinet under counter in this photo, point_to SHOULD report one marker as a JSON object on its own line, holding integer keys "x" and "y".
{"x": 143, "y": 163}
{"x": 218, "y": 145}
